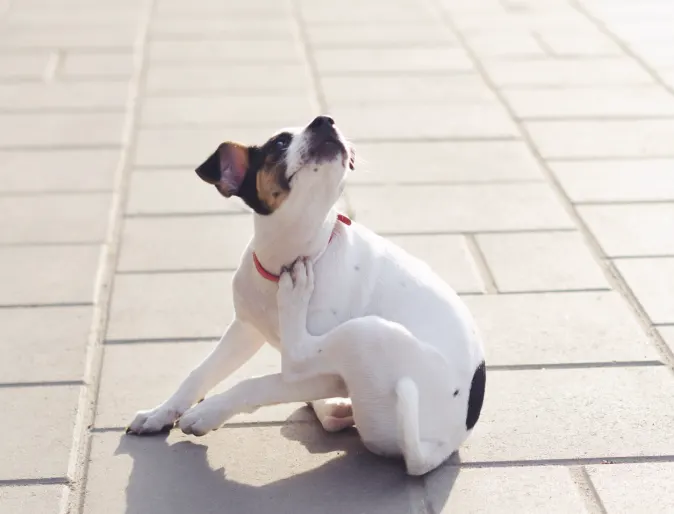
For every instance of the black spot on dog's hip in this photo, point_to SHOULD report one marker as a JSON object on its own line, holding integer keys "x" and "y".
{"x": 476, "y": 396}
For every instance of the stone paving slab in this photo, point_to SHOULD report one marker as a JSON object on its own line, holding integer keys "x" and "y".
{"x": 616, "y": 180}
{"x": 57, "y": 171}
{"x": 76, "y": 130}
{"x": 231, "y": 110}
{"x": 557, "y": 328}
{"x": 633, "y": 404}
{"x": 512, "y": 207}
{"x": 178, "y": 191}
{"x": 87, "y": 66}
{"x": 167, "y": 306}
{"x": 235, "y": 78}
{"x": 620, "y": 138}
{"x": 566, "y": 73}
{"x": 369, "y": 60}
{"x": 38, "y": 446}
{"x": 545, "y": 261}
{"x": 44, "y": 344}
{"x": 189, "y": 147}
{"x": 253, "y": 469}
{"x": 425, "y": 121}
{"x": 45, "y": 499}
{"x": 32, "y": 97}
{"x": 24, "y": 67}
{"x": 652, "y": 282}
{"x": 151, "y": 244}
{"x": 51, "y": 274}
{"x": 128, "y": 385}
{"x": 497, "y": 490}
{"x": 374, "y": 89}
{"x": 626, "y": 488}
{"x": 22, "y": 222}
{"x": 444, "y": 162}
{"x": 608, "y": 102}
{"x": 631, "y": 230}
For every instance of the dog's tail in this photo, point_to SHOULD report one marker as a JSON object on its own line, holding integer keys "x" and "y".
{"x": 411, "y": 445}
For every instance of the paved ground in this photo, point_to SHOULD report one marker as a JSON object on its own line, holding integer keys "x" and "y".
{"x": 525, "y": 148}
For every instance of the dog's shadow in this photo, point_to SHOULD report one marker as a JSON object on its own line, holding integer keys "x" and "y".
{"x": 178, "y": 479}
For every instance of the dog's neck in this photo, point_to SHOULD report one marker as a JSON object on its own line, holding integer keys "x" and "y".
{"x": 279, "y": 240}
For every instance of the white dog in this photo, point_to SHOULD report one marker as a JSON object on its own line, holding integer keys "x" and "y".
{"x": 353, "y": 315}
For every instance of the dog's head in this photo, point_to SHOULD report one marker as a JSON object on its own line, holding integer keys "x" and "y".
{"x": 295, "y": 166}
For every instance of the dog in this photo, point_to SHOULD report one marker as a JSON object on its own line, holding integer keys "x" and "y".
{"x": 368, "y": 334}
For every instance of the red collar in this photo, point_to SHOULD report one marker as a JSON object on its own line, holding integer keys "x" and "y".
{"x": 275, "y": 278}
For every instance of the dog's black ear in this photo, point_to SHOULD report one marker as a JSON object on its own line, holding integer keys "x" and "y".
{"x": 226, "y": 168}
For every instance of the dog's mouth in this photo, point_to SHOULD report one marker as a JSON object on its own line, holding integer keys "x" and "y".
{"x": 327, "y": 148}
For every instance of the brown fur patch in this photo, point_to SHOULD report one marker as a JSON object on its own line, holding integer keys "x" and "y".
{"x": 272, "y": 185}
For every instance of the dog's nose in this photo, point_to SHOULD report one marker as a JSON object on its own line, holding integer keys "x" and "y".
{"x": 321, "y": 122}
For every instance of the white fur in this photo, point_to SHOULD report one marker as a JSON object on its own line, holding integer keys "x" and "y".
{"x": 374, "y": 324}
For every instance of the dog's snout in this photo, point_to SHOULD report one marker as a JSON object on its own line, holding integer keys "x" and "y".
{"x": 322, "y": 122}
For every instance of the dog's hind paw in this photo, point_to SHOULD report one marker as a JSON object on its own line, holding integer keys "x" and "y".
{"x": 297, "y": 284}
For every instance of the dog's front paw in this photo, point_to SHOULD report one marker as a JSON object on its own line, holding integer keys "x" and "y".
{"x": 204, "y": 417}
{"x": 155, "y": 420}
{"x": 297, "y": 283}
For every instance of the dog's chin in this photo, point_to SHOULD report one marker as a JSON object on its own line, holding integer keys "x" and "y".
{"x": 328, "y": 151}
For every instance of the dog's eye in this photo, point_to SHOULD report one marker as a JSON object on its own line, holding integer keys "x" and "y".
{"x": 282, "y": 144}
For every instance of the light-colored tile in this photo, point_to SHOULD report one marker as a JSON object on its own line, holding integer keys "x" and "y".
{"x": 608, "y": 102}
{"x": 579, "y": 44}
{"x": 53, "y": 130}
{"x": 419, "y": 121}
{"x": 506, "y": 45}
{"x": 422, "y": 209}
{"x": 382, "y": 34}
{"x": 189, "y": 147}
{"x": 200, "y": 242}
{"x": 54, "y": 219}
{"x": 368, "y": 89}
{"x": 47, "y": 274}
{"x": 59, "y": 95}
{"x": 629, "y": 230}
{"x": 368, "y": 60}
{"x": 667, "y": 334}
{"x": 220, "y": 27}
{"x": 234, "y": 78}
{"x": 39, "y": 445}
{"x": 541, "y": 262}
{"x": 268, "y": 111}
{"x": 498, "y": 490}
{"x": 616, "y": 180}
{"x": 141, "y": 376}
{"x": 177, "y": 192}
{"x": 554, "y": 328}
{"x": 166, "y": 306}
{"x": 44, "y": 345}
{"x": 120, "y": 36}
{"x": 564, "y": 414}
{"x": 639, "y": 487}
{"x": 408, "y": 12}
{"x": 615, "y": 138}
{"x": 448, "y": 256}
{"x": 443, "y": 162}
{"x": 266, "y": 469}
{"x": 68, "y": 170}
{"x": 22, "y": 66}
{"x": 567, "y": 72}
{"x": 45, "y": 499}
{"x": 652, "y": 282}
{"x": 103, "y": 65}
{"x": 219, "y": 51}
